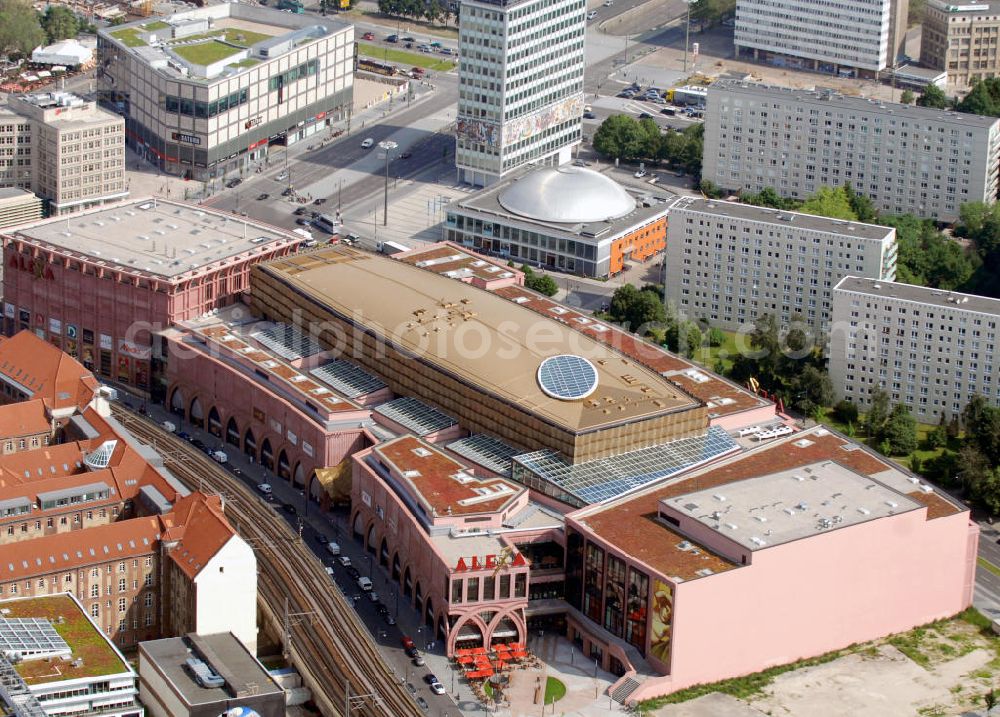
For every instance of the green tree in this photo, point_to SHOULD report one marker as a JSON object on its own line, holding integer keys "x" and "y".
{"x": 710, "y": 189}
{"x": 846, "y": 411}
{"x": 710, "y": 12}
{"x": 878, "y": 414}
{"x": 860, "y": 204}
{"x": 926, "y": 257}
{"x": 983, "y": 99}
{"x": 933, "y": 96}
{"x": 982, "y": 427}
{"x": 829, "y": 202}
{"x": 619, "y": 137}
{"x": 768, "y": 197}
{"x": 811, "y": 389}
{"x": 907, "y": 97}
{"x": 432, "y": 11}
{"x": 716, "y": 337}
{"x": 635, "y": 309}
{"x": 938, "y": 438}
{"x": 901, "y": 431}
{"x": 20, "y": 32}
{"x": 59, "y": 23}
{"x": 542, "y": 283}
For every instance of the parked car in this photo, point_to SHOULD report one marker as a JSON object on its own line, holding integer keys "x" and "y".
{"x": 332, "y": 548}
{"x": 320, "y": 200}
{"x": 264, "y": 488}
{"x": 436, "y": 44}
{"x": 345, "y": 561}
{"x": 609, "y": 3}
{"x": 448, "y": 51}
{"x": 353, "y": 572}
{"x": 640, "y": 173}
{"x": 322, "y": 539}
{"x": 300, "y": 211}
{"x": 198, "y": 443}
{"x": 372, "y": 596}
{"x": 430, "y": 678}
{"x": 437, "y": 688}
{"x": 364, "y": 582}
{"x": 381, "y": 609}
{"x": 409, "y": 39}
{"x": 262, "y": 196}
{"x": 592, "y": 14}
{"x": 234, "y": 182}
{"x": 289, "y": 508}
{"x": 418, "y": 659}
{"x": 406, "y": 155}
{"x": 392, "y": 38}
{"x": 368, "y": 143}
{"x": 417, "y": 71}
{"x": 282, "y": 176}
{"x": 368, "y": 36}
{"x": 645, "y": 115}
{"x": 589, "y": 115}
{"x": 423, "y": 703}
{"x": 389, "y": 619}
{"x": 424, "y": 48}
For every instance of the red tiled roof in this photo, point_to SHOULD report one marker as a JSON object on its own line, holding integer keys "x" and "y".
{"x": 58, "y": 460}
{"x": 650, "y": 355}
{"x": 46, "y": 372}
{"x": 631, "y": 525}
{"x": 23, "y": 419}
{"x": 435, "y": 484}
{"x": 78, "y": 548}
{"x": 201, "y": 529}
{"x": 477, "y": 264}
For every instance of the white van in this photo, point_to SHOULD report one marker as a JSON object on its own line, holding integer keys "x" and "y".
{"x": 168, "y": 426}
{"x": 365, "y": 583}
{"x": 220, "y": 456}
{"x": 367, "y": 144}
{"x": 332, "y": 548}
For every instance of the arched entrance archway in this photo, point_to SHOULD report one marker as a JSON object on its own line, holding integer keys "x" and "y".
{"x": 267, "y": 454}
{"x": 177, "y": 403}
{"x": 441, "y": 632}
{"x": 250, "y": 444}
{"x": 370, "y": 540}
{"x": 232, "y": 432}
{"x": 504, "y": 631}
{"x": 419, "y": 595}
{"x": 214, "y": 422}
{"x": 383, "y": 553}
{"x": 407, "y": 583}
{"x": 197, "y": 414}
{"x": 395, "y": 567}
{"x": 358, "y": 527}
{"x": 468, "y": 634}
{"x": 299, "y": 476}
{"x": 429, "y": 612}
{"x": 284, "y": 469}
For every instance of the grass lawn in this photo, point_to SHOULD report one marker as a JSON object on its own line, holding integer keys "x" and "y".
{"x": 244, "y": 38}
{"x": 130, "y": 36}
{"x": 155, "y": 25}
{"x": 205, "y": 53}
{"x": 708, "y": 355}
{"x": 411, "y": 59}
{"x": 555, "y": 690}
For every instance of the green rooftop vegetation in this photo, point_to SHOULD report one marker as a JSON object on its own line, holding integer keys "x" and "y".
{"x": 79, "y": 633}
{"x": 418, "y": 59}
{"x": 244, "y": 38}
{"x": 246, "y": 62}
{"x": 205, "y": 53}
{"x": 130, "y": 36}
{"x": 155, "y": 25}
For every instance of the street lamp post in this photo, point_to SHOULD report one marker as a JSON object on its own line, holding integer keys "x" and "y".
{"x": 687, "y": 33}
{"x": 387, "y": 145}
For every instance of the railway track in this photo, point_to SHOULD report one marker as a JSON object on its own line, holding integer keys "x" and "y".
{"x": 329, "y": 645}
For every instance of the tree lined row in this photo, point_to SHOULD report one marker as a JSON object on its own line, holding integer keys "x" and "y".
{"x": 625, "y": 138}
{"x": 22, "y": 29}
{"x": 430, "y": 10}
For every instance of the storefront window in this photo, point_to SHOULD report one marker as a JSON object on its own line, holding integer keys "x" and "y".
{"x": 472, "y": 589}
{"x": 593, "y": 582}
{"x": 574, "y": 568}
{"x": 614, "y": 596}
{"x": 636, "y": 609}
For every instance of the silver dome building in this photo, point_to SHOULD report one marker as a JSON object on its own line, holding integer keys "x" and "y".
{"x": 570, "y": 219}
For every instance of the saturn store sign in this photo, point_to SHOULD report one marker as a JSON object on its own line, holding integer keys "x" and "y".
{"x": 251, "y": 123}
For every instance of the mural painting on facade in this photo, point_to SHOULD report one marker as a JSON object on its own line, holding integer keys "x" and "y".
{"x": 663, "y": 617}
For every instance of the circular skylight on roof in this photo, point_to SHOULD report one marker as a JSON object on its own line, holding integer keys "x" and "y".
{"x": 567, "y": 377}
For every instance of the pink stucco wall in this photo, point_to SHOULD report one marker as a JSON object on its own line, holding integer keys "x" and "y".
{"x": 751, "y": 417}
{"x": 817, "y": 594}
{"x": 240, "y": 396}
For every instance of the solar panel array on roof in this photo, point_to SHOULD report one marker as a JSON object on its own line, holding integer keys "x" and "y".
{"x": 487, "y": 451}
{"x": 415, "y": 416}
{"x": 611, "y": 477}
{"x": 287, "y": 341}
{"x": 567, "y": 377}
{"x": 347, "y": 378}
{"x": 30, "y": 636}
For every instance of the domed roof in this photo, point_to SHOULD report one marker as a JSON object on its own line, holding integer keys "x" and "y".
{"x": 566, "y": 195}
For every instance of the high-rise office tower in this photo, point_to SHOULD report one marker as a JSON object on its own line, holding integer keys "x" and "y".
{"x": 520, "y": 85}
